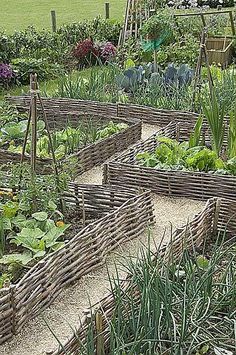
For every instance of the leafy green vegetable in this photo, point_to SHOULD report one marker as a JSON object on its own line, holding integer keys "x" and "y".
{"x": 16, "y": 258}
{"x": 40, "y": 216}
{"x": 172, "y": 154}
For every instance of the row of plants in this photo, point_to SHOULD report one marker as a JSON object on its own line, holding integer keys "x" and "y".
{"x": 195, "y": 154}
{"x": 149, "y": 85}
{"x": 52, "y": 54}
{"x": 66, "y": 141}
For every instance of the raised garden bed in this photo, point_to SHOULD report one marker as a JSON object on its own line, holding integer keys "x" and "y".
{"x": 217, "y": 216}
{"x": 220, "y": 50}
{"x": 125, "y": 170}
{"x": 117, "y": 215}
{"x": 91, "y": 154}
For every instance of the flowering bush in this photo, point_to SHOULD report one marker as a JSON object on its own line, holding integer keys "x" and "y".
{"x": 187, "y": 4}
{"x": 107, "y": 51}
{"x": 6, "y": 74}
{"x": 86, "y": 52}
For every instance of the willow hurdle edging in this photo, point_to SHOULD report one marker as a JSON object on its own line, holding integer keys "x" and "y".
{"x": 146, "y": 114}
{"x": 154, "y": 116}
{"x": 92, "y": 154}
{"x": 67, "y": 105}
{"x": 217, "y": 215}
{"x": 122, "y": 214}
{"x": 125, "y": 171}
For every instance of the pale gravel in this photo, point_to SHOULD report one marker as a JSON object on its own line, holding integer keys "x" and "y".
{"x": 35, "y": 338}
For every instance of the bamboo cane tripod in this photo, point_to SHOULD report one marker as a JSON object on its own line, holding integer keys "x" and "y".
{"x": 32, "y": 123}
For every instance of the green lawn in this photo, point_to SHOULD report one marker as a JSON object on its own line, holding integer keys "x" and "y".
{"x": 18, "y": 14}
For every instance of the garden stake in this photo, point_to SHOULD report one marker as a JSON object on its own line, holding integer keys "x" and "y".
{"x": 33, "y": 88}
{"x": 99, "y": 336}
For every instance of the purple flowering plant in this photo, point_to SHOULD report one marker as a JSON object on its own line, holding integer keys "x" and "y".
{"x": 108, "y": 51}
{"x": 6, "y": 74}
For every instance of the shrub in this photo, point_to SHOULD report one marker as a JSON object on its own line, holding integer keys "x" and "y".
{"x": 33, "y": 43}
{"x": 45, "y": 70}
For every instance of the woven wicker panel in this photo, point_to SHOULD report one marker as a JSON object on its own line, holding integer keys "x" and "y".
{"x": 61, "y": 104}
{"x": 192, "y": 234}
{"x": 147, "y": 114}
{"x": 125, "y": 171}
{"x": 155, "y": 116}
{"x": 7, "y": 314}
{"x": 121, "y": 214}
{"x": 227, "y": 216}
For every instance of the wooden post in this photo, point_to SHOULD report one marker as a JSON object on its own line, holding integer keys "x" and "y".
{"x": 99, "y": 335}
{"x": 232, "y": 22}
{"x": 107, "y": 10}
{"x": 33, "y": 92}
{"x": 83, "y": 209}
{"x": 54, "y": 21}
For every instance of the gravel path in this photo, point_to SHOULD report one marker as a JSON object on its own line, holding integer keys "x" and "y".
{"x": 35, "y": 338}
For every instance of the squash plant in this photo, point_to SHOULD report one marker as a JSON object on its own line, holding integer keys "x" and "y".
{"x": 31, "y": 224}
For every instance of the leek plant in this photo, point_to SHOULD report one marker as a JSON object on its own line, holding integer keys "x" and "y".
{"x": 225, "y": 89}
{"x": 98, "y": 85}
{"x": 170, "y": 97}
{"x": 2, "y": 237}
{"x": 232, "y": 134}
{"x": 215, "y": 113}
{"x": 182, "y": 306}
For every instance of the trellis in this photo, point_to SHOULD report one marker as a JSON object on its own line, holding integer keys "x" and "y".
{"x": 136, "y": 12}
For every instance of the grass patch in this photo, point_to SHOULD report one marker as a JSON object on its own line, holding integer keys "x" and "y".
{"x": 17, "y": 15}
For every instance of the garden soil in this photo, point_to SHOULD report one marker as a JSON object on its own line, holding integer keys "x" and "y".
{"x": 35, "y": 338}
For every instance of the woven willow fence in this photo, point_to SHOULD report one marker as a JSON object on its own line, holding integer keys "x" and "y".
{"x": 147, "y": 114}
{"x": 92, "y": 154}
{"x": 218, "y": 214}
{"x": 118, "y": 215}
{"x": 125, "y": 170}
